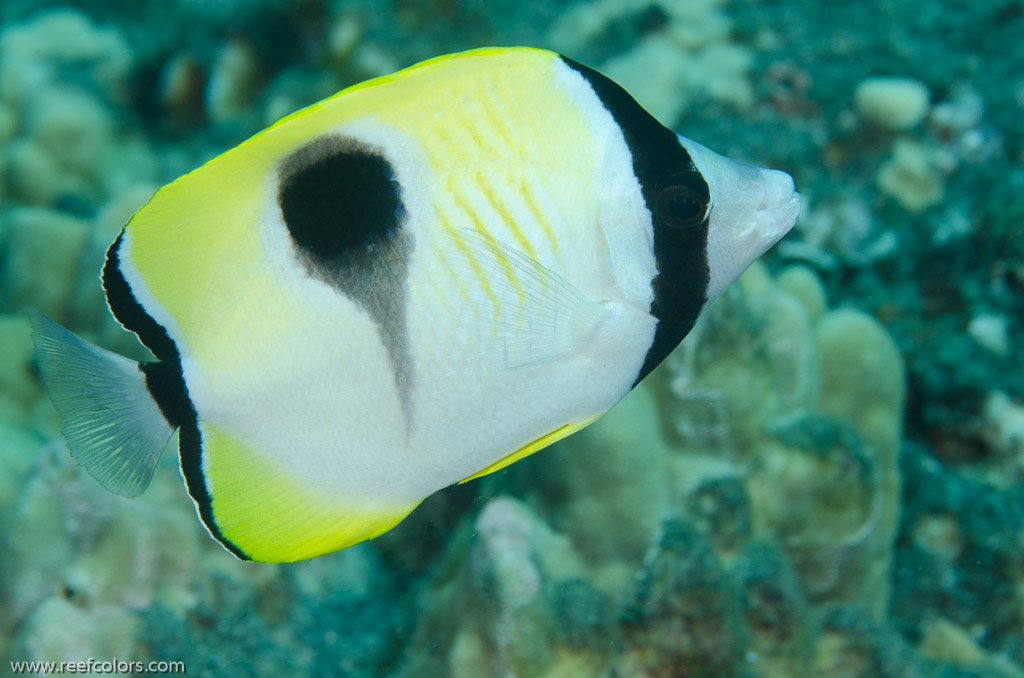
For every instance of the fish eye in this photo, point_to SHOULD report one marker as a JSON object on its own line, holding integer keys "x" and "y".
{"x": 682, "y": 207}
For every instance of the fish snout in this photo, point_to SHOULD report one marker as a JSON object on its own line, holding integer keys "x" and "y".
{"x": 752, "y": 209}
{"x": 779, "y": 207}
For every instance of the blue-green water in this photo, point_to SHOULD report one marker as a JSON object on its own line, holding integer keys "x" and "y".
{"x": 826, "y": 479}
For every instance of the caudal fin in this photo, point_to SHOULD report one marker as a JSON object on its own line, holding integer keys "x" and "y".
{"x": 112, "y": 425}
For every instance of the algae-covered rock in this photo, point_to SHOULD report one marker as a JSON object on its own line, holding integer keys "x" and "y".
{"x": 61, "y": 630}
{"x": 62, "y": 80}
{"x": 19, "y": 452}
{"x": 670, "y": 54}
{"x": 39, "y": 260}
{"x": 88, "y": 310}
{"x": 805, "y": 286}
{"x": 814, "y": 489}
{"x": 36, "y": 547}
{"x": 503, "y": 578}
{"x": 232, "y": 85}
{"x": 944, "y": 641}
{"x": 37, "y": 52}
{"x": 145, "y": 553}
{"x": 62, "y": 532}
{"x": 19, "y": 387}
{"x": 893, "y": 103}
{"x": 914, "y": 175}
{"x": 686, "y": 614}
{"x": 510, "y": 560}
{"x": 720, "y": 506}
{"x": 615, "y": 471}
{"x": 852, "y": 645}
{"x": 31, "y": 174}
{"x": 781, "y": 641}
{"x": 74, "y": 129}
{"x": 863, "y": 384}
{"x": 809, "y": 407}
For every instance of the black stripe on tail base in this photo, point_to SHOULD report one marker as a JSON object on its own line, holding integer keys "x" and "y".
{"x": 659, "y": 161}
{"x": 166, "y": 383}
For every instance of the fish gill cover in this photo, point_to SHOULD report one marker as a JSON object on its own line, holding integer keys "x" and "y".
{"x": 825, "y": 479}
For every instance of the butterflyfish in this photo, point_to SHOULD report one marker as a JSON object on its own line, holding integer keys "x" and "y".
{"x": 412, "y": 283}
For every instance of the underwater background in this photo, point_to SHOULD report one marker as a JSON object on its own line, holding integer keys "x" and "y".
{"x": 826, "y": 479}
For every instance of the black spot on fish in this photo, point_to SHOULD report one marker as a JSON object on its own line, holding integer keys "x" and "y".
{"x": 338, "y": 198}
{"x": 342, "y": 206}
{"x": 660, "y": 163}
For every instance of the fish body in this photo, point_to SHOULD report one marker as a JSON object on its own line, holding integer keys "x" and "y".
{"x": 410, "y": 284}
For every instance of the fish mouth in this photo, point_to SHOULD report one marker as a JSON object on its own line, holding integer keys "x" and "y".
{"x": 790, "y": 211}
{"x": 784, "y": 217}
{"x": 769, "y": 216}
{"x": 779, "y": 207}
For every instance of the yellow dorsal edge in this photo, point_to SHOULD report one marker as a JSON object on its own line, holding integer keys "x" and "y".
{"x": 398, "y": 75}
{"x": 538, "y": 444}
{"x": 367, "y": 84}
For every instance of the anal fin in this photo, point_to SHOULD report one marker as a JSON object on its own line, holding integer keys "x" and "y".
{"x": 535, "y": 446}
{"x": 261, "y": 510}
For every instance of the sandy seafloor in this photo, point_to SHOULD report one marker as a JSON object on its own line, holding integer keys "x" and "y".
{"x": 824, "y": 480}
